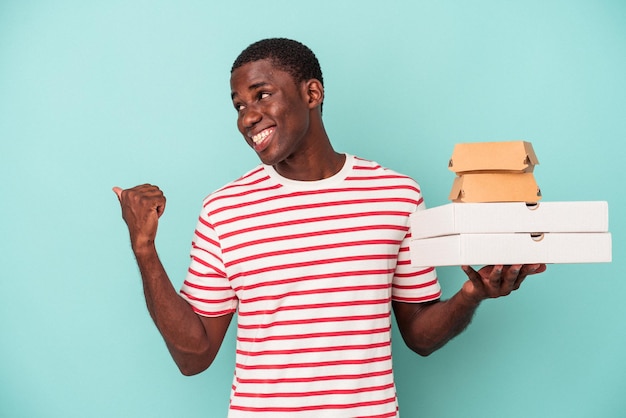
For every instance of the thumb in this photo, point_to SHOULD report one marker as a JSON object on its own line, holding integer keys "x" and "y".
{"x": 118, "y": 191}
{"x": 470, "y": 272}
{"x": 473, "y": 276}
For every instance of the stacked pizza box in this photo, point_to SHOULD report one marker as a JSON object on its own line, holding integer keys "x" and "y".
{"x": 496, "y": 218}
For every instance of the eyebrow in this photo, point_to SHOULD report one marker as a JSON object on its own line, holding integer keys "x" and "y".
{"x": 250, "y": 88}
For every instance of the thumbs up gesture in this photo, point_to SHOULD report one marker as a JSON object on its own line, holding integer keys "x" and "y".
{"x": 142, "y": 206}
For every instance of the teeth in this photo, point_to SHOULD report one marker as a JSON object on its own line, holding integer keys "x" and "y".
{"x": 261, "y": 136}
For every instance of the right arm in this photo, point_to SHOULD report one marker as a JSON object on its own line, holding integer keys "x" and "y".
{"x": 193, "y": 340}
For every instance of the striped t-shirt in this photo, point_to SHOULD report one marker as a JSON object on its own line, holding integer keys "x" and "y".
{"x": 311, "y": 268}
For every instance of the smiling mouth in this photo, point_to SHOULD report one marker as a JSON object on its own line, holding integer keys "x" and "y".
{"x": 258, "y": 138}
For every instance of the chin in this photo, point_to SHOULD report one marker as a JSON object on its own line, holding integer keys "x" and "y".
{"x": 270, "y": 159}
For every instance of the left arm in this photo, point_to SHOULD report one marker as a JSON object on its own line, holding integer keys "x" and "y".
{"x": 426, "y": 327}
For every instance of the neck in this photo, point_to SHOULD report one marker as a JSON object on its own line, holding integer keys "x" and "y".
{"x": 311, "y": 167}
{"x": 316, "y": 161}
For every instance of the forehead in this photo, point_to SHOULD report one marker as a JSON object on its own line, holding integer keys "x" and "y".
{"x": 256, "y": 73}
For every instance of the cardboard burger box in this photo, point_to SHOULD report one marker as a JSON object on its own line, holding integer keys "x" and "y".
{"x": 494, "y": 172}
{"x": 507, "y": 156}
{"x": 495, "y": 187}
{"x": 511, "y": 233}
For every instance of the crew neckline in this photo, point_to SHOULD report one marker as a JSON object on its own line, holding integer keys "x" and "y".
{"x": 313, "y": 184}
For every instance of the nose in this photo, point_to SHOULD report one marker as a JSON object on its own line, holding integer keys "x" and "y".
{"x": 250, "y": 117}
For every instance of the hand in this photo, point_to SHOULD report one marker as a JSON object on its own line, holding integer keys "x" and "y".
{"x": 496, "y": 281}
{"x": 142, "y": 206}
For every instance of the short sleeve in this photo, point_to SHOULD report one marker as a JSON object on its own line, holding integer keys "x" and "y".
{"x": 206, "y": 286}
{"x": 414, "y": 284}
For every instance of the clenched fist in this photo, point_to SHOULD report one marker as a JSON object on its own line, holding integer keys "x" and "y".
{"x": 142, "y": 206}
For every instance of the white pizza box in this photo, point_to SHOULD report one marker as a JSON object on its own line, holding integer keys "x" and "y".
{"x": 509, "y": 217}
{"x": 519, "y": 248}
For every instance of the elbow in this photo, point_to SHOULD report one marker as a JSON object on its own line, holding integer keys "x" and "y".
{"x": 422, "y": 350}
{"x": 189, "y": 371}
{"x": 192, "y": 367}
{"x": 191, "y": 363}
{"x": 423, "y": 346}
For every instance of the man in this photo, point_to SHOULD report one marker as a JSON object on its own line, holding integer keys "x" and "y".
{"x": 311, "y": 249}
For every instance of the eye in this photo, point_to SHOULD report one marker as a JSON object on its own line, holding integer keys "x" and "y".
{"x": 239, "y": 107}
{"x": 264, "y": 95}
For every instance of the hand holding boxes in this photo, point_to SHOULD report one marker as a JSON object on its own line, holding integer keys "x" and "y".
{"x": 505, "y": 224}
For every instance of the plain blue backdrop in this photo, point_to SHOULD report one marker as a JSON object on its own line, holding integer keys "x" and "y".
{"x": 95, "y": 94}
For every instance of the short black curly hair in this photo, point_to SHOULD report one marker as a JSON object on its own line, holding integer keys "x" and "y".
{"x": 291, "y": 56}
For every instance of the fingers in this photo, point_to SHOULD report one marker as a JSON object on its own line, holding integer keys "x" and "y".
{"x": 495, "y": 281}
{"x": 511, "y": 279}
{"x": 499, "y": 280}
{"x": 145, "y": 196}
{"x": 506, "y": 279}
{"x": 529, "y": 269}
{"x": 495, "y": 277}
{"x": 487, "y": 281}
{"x": 142, "y": 207}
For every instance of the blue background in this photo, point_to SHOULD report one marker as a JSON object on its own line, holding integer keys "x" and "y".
{"x": 97, "y": 94}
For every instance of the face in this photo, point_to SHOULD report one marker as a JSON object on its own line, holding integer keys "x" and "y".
{"x": 272, "y": 110}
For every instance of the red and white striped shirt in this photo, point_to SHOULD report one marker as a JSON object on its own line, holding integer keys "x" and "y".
{"x": 311, "y": 268}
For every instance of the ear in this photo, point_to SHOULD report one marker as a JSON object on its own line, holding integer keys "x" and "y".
{"x": 314, "y": 93}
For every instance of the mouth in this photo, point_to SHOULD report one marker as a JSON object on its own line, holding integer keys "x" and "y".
{"x": 260, "y": 139}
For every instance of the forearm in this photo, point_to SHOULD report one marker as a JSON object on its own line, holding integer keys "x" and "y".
{"x": 427, "y": 327}
{"x": 431, "y": 326}
{"x": 179, "y": 325}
